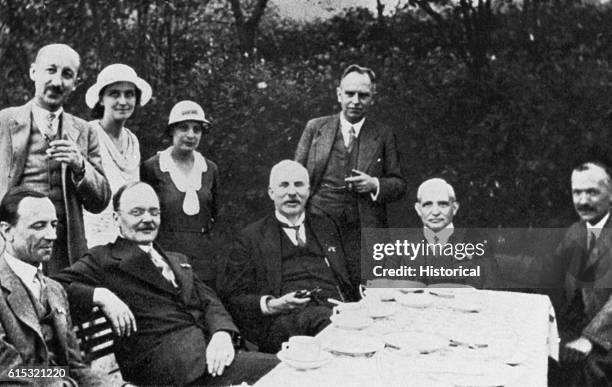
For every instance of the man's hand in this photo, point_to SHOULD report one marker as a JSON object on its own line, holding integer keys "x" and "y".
{"x": 362, "y": 183}
{"x": 219, "y": 353}
{"x": 286, "y": 303}
{"x": 576, "y": 350}
{"x": 116, "y": 311}
{"x": 66, "y": 151}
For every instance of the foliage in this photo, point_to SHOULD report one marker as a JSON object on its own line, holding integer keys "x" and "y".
{"x": 506, "y": 138}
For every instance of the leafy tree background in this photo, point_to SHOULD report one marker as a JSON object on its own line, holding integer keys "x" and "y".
{"x": 501, "y": 98}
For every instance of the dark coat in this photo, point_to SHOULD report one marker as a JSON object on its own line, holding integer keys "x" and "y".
{"x": 173, "y": 326}
{"x": 93, "y": 191}
{"x": 378, "y": 157}
{"x": 21, "y": 339}
{"x": 254, "y": 269}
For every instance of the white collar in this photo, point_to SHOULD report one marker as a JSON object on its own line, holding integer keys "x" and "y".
{"x": 443, "y": 235}
{"x": 281, "y": 218}
{"x": 23, "y": 270}
{"x": 40, "y": 115}
{"x": 146, "y": 248}
{"x": 596, "y": 228}
{"x": 345, "y": 126}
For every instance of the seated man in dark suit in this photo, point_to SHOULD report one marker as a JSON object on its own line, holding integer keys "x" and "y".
{"x": 582, "y": 273}
{"x": 281, "y": 254}
{"x": 173, "y": 330}
{"x": 35, "y": 326}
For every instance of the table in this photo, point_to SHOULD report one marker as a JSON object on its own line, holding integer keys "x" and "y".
{"x": 527, "y": 319}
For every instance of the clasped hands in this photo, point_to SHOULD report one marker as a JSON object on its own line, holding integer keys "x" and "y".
{"x": 286, "y": 303}
{"x": 66, "y": 151}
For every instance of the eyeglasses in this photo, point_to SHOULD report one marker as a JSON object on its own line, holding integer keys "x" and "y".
{"x": 138, "y": 212}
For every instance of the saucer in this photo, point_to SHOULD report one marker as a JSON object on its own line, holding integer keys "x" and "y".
{"x": 416, "y": 300}
{"x": 353, "y": 345}
{"x": 355, "y": 322}
{"x": 323, "y": 359}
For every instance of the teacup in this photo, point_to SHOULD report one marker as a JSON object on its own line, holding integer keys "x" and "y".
{"x": 302, "y": 348}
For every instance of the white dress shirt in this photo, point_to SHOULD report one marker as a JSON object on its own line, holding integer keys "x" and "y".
{"x": 596, "y": 228}
{"x": 41, "y": 118}
{"x": 160, "y": 263}
{"x": 26, "y": 273}
{"x": 443, "y": 235}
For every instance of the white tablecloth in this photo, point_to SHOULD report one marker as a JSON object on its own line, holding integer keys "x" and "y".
{"x": 525, "y": 321}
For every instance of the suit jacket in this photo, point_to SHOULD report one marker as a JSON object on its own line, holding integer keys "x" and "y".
{"x": 254, "y": 269}
{"x": 93, "y": 191}
{"x": 569, "y": 260}
{"x": 21, "y": 339}
{"x": 173, "y": 325}
{"x": 490, "y": 276}
{"x": 378, "y": 157}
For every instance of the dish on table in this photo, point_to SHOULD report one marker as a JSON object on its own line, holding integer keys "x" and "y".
{"x": 323, "y": 359}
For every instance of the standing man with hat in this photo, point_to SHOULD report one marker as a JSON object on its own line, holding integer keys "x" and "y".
{"x": 113, "y": 100}
{"x": 46, "y": 149}
{"x": 353, "y": 163}
{"x": 187, "y": 184}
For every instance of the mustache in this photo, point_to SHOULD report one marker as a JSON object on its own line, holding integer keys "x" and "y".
{"x": 55, "y": 89}
{"x": 148, "y": 227}
{"x": 585, "y": 207}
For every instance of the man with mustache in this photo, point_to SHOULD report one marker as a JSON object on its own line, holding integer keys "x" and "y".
{"x": 583, "y": 271}
{"x": 44, "y": 148}
{"x": 275, "y": 258}
{"x": 171, "y": 328}
{"x": 35, "y": 326}
{"x": 353, "y": 163}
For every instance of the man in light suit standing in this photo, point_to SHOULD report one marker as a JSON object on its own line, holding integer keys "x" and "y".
{"x": 48, "y": 150}
{"x": 353, "y": 163}
{"x": 35, "y": 325}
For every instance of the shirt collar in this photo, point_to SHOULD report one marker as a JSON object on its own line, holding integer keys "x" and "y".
{"x": 345, "y": 126}
{"x": 23, "y": 270}
{"x": 596, "y": 228}
{"x": 146, "y": 248}
{"x": 41, "y": 113}
{"x": 283, "y": 219}
{"x": 443, "y": 235}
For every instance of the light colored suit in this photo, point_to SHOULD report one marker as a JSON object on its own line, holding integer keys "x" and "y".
{"x": 93, "y": 191}
{"x": 21, "y": 338}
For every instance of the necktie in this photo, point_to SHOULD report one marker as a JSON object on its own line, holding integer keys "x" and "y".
{"x": 39, "y": 287}
{"x": 300, "y": 241}
{"x": 50, "y": 129}
{"x": 165, "y": 269}
{"x": 591, "y": 239}
{"x": 351, "y": 138}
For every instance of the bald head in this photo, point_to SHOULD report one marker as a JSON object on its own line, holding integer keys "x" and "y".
{"x": 289, "y": 188}
{"x": 54, "y": 74}
{"x": 436, "y": 204}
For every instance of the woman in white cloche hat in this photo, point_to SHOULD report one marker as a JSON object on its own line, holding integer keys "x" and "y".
{"x": 112, "y": 100}
{"x": 187, "y": 184}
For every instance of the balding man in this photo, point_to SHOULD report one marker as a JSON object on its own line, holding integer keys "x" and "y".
{"x": 48, "y": 150}
{"x": 449, "y": 254}
{"x": 281, "y": 254}
{"x": 584, "y": 270}
{"x": 353, "y": 163}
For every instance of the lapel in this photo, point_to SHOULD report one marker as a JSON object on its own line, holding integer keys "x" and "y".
{"x": 19, "y": 133}
{"x": 70, "y": 128}
{"x": 331, "y": 248}
{"x": 182, "y": 272}
{"x": 323, "y": 143}
{"x": 602, "y": 244}
{"x": 60, "y": 321}
{"x": 137, "y": 263}
{"x": 271, "y": 253}
{"x": 368, "y": 145}
{"x": 18, "y": 298}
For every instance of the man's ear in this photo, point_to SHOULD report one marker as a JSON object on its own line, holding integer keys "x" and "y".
{"x": 339, "y": 94}
{"x": 417, "y": 208}
{"x": 33, "y": 72}
{"x": 455, "y": 207}
{"x": 5, "y": 230}
{"x": 270, "y": 193}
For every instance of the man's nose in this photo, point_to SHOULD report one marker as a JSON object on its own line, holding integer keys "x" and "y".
{"x": 56, "y": 79}
{"x": 51, "y": 233}
{"x": 291, "y": 190}
{"x": 583, "y": 198}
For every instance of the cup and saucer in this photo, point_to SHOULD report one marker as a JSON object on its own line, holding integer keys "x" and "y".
{"x": 303, "y": 353}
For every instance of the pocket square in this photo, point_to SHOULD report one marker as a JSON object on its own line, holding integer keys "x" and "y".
{"x": 185, "y": 265}
{"x": 331, "y": 249}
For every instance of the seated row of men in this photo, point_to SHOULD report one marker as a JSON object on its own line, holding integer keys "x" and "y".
{"x": 173, "y": 329}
